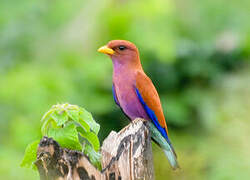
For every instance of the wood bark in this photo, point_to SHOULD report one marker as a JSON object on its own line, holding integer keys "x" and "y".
{"x": 126, "y": 155}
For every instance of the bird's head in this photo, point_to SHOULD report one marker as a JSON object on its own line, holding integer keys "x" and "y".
{"x": 122, "y": 52}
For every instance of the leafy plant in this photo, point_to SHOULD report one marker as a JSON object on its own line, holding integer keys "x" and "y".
{"x": 72, "y": 127}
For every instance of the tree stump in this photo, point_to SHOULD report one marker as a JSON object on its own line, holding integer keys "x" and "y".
{"x": 126, "y": 155}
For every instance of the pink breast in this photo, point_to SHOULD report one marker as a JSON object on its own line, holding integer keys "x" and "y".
{"x": 129, "y": 101}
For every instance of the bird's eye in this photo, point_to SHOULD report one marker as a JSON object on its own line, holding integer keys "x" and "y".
{"x": 121, "y": 48}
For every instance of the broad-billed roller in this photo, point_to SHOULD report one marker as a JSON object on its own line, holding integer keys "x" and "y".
{"x": 135, "y": 93}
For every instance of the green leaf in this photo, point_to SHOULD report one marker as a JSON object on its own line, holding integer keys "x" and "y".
{"x": 72, "y": 127}
{"x": 87, "y": 117}
{"x": 30, "y": 155}
{"x": 60, "y": 117}
{"x": 91, "y": 137}
{"x": 46, "y": 116}
{"x": 45, "y": 127}
{"x": 83, "y": 124}
{"x": 73, "y": 114}
{"x": 95, "y": 157}
{"x": 67, "y": 137}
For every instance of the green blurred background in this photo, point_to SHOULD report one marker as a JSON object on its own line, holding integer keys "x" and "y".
{"x": 196, "y": 52}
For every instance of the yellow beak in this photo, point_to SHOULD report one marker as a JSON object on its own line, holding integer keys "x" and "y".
{"x": 106, "y": 50}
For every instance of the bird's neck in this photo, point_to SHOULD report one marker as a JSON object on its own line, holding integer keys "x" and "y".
{"x": 120, "y": 67}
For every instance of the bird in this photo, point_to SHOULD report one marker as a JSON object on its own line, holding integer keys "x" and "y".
{"x": 134, "y": 92}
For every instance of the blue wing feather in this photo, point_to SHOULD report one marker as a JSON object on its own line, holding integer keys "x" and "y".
{"x": 171, "y": 155}
{"x": 114, "y": 95}
{"x": 152, "y": 116}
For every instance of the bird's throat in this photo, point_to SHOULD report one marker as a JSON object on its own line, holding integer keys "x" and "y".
{"x": 126, "y": 65}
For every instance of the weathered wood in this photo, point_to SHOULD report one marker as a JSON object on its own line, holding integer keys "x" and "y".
{"x": 54, "y": 162}
{"x": 126, "y": 155}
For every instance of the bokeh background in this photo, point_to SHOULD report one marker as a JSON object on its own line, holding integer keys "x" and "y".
{"x": 196, "y": 52}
